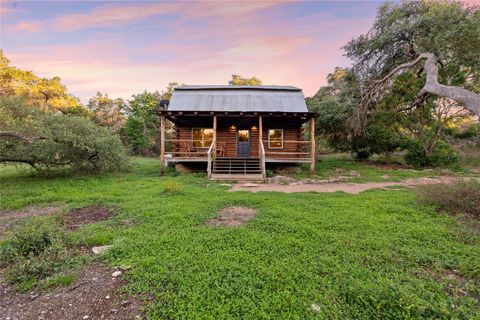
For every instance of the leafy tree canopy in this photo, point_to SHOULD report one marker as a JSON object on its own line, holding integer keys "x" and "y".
{"x": 440, "y": 33}
{"x": 42, "y": 93}
{"x": 238, "y": 80}
{"x": 142, "y": 128}
{"x": 48, "y": 140}
{"x": 107, "y": 112}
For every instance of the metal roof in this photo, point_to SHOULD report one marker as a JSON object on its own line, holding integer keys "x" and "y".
{"x": 238, "y": 98}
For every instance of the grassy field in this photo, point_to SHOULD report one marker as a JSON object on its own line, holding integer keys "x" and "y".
{"x": 379, "y": 254}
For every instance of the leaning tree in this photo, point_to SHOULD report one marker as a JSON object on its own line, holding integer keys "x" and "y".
{"x": 437, "y": 41}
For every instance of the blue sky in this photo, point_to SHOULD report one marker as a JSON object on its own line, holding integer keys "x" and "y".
{"x": 122, "y": 48}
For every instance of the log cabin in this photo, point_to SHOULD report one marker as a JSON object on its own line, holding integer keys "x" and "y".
{"x": 235, "y": 132}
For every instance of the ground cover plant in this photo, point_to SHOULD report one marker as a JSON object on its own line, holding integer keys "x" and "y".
{"x": 379, "y": 254}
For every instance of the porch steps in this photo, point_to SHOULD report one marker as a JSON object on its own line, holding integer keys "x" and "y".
{"x": 236, "y": 177}
{"x": 236, "y": 169}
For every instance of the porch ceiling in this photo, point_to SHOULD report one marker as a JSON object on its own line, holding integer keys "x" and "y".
{"x": 224, "y": 119}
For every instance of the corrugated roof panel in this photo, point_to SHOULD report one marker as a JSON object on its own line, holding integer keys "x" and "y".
{"x": 229, "y": 87}
{"x": 247, "y": 99}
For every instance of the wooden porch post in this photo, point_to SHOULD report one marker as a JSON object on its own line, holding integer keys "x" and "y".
{"x": 312, "y": 146}
{"x": 260, "y": 135}
{"x": 215, "y": 129}
{"x": 162, "y": 144}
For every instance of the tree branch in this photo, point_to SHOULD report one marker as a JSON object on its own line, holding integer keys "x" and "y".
{"x": 19, "y": 136}
{"x": 7, "y": 159}
{"x": 469, "y": 99}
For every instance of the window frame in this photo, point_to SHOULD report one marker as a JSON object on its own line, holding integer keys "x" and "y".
{"x": 269, "y": 140}
{"x": 202, "y": 129}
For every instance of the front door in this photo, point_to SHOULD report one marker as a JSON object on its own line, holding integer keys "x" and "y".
{"x": 243, "y": 143}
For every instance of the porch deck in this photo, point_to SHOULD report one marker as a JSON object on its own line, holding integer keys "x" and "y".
{"x": 169, "y": 158}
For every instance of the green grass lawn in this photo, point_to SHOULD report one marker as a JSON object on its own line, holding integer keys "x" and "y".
{"x": 379, "y": 254}
{"x": 328, "y": 164}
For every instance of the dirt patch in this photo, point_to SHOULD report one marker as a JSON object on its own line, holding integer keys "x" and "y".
{"x": 353, "y": 188}
{"x": 233, "y": 217}
{"x": 8, "y": 217}
{"x": 454, "y": 283}
{"x": 94, "y": 295}
{"x": 86, "y": 215}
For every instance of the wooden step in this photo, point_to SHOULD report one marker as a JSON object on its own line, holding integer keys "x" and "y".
{"x": 237, "y": 177}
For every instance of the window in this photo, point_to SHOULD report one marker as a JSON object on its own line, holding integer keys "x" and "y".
{"x": 202, "y": 137}
{"x": 243, "y": 135}
{"x": 275, "y": 138}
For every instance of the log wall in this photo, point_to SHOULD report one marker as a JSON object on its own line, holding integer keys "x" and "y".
{"x": 227, "y": 137}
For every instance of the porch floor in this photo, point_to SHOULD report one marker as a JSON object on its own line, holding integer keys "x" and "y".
{"x": 204, "y": 159}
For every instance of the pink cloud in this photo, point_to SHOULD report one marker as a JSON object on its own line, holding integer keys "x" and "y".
{"x": 26, "y": 26}
{"x": 6, "y": 9}
{"x": 222, "y": 41}
{"x": 123, "y": 14}
{"x": 110, "y": 16}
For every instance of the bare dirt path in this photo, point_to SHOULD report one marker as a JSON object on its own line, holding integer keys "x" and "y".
{"x": 353, "y": 188}
{"x": 94, "y": 295}
{"x": 8, "y": 217}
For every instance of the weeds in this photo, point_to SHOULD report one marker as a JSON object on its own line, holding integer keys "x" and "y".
{"x": 459, "y": 198}
{"x": 36, "y": 251}
{"x": 172, "y": 188}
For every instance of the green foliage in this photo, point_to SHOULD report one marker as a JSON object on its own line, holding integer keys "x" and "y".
{"x": 459, "y": 198}
{"x": 377, "y": 254}
{"x": 405, "y": 29}
{"x": 443, "y": 155}
{"x": 238, "y": 80}
{"x": 32, "y": 240}
{"x": 334, "y": 109}
{"x": 471, "y": 131}
{"x": 401, "y": 32}
{"x": 107, "y": 112}
{"x": 57, "y": 140}
{"x": 142, "y": 128}
{"x": 42, "y": 93}
{"x": 381, "y": 136}
{"x": 35, "y": 252}
{"x": 136, "y": 135}
{"x": 173, "y": 188}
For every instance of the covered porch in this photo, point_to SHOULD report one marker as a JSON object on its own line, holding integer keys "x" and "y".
{"x": 270, "y": 137}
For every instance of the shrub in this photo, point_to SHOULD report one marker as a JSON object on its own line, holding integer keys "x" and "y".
{"x": 34, "y": 252}
{"x": 459, "y": 198}
{"x": 442, "y": 156}
{"x": 172, "y": 188}
{"x": 52, "y": 140}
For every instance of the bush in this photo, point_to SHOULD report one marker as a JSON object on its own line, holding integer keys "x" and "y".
{"x": 55, "y": 140}
{"x": 172, "y": 188}
{"x": 467, "y": 133}
{"x": 442, "y": 156}
{"x": 35, "y": 251}
{"x": 459, "y": 198}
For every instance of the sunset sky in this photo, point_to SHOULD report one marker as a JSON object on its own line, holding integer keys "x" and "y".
{"x": 122, "y": 48}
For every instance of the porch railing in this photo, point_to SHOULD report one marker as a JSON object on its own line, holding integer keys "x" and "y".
{"x": 290, "y": 150}
{"x": 186, "y": 148}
